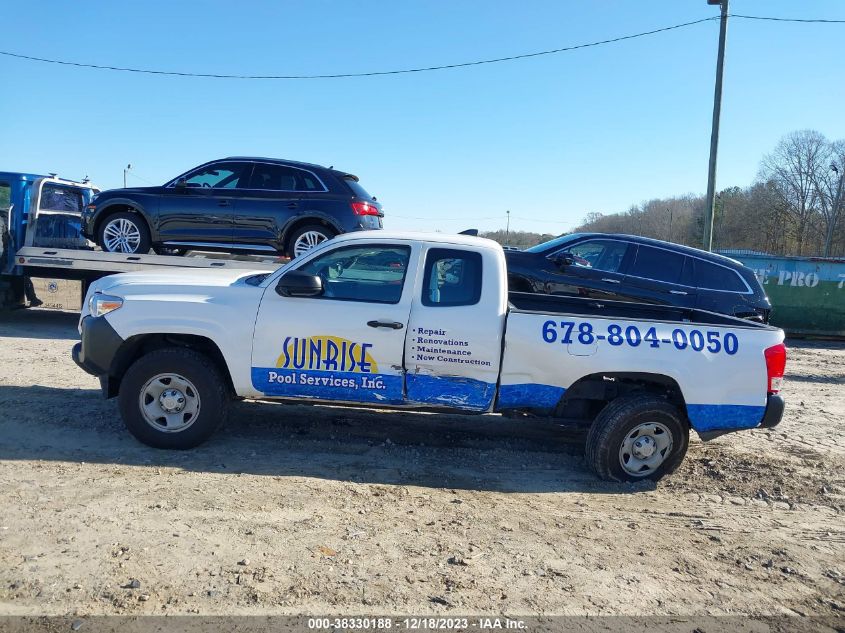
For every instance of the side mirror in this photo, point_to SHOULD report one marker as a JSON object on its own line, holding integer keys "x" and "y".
{"x": 299, "y": 284}
{"x": 564, "y": 259}
{"x": 181, "y": 184}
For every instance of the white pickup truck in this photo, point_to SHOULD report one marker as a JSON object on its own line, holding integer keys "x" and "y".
{"x": 425, "y": 322}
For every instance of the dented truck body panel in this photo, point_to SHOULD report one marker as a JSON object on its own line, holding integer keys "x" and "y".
{"x": 429, "y": 324}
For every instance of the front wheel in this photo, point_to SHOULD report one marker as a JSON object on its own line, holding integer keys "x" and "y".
{"x": 124, "y": 233}
{"x": 173, "y": 398}
{"x": 306, "y": 238}
{"x": 637, "y": 437}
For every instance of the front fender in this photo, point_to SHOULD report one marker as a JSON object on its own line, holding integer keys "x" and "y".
{"x": 146, "y": 206}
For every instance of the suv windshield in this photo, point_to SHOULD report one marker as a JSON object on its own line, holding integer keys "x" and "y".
{"x": 553, "y": 245}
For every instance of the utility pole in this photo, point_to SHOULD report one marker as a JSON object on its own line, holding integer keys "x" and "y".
{"x": 671, "y": 213}
{"x": 837, "y": 200}
{"x": 714, "y": 132}
{"x": 125, "y": 171}
{"x": 508, "y": 227}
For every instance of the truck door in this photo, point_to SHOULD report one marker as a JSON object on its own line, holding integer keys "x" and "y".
{"x": 454, "y": 341}
{"x": 346, "y": 344}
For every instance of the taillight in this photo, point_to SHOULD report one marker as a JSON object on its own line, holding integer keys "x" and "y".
{"x": 364, "y": 208}
{"x": 775, "y": 366}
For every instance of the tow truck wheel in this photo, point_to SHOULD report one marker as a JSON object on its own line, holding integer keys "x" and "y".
{"x": 173, "y": 398}
{"x": 637, "y": 437}
{"x": 124, "y": 233}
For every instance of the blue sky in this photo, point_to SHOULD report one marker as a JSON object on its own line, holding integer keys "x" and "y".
{"x": 550, "y": 138}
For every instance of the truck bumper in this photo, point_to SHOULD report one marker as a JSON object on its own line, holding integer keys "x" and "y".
{"x": 771, "y": 418}
{"x": 774, "y": 411}
{"x": 98, "y": 347}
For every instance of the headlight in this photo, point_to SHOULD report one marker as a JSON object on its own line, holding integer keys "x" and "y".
{"x": 100, "y": 304}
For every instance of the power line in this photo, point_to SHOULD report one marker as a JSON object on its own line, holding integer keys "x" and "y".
{"x": 524, "y": 219}
{"x": 496, "y": 60}
{"x": 365, "y": 74}
{"x": 142, "y": 179}
{"x": 773, "y": 19}
{"x": 461, "y": 219}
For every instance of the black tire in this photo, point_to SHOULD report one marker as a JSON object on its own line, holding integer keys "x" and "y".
{"x": 203, "y": 376}
{"x": 618, "y": 420}
{"x": 324, "y": 231}
{"x": 143, "y": 245}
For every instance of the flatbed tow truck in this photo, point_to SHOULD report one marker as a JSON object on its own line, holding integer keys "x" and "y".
{"x": 41, "y": 240}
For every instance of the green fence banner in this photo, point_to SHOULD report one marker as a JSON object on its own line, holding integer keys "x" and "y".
{"x": 807, "y": 293}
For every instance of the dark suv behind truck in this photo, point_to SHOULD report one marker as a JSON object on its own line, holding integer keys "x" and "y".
{"x": 237, "y": 203}
{"x": 630, "y": 268}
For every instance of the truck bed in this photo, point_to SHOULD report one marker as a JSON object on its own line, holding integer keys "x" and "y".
{"x": 559, "y": 304}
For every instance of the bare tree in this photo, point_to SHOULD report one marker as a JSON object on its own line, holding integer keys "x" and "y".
{"x": 829, "y": 183}
{"x": 794, "y": 167}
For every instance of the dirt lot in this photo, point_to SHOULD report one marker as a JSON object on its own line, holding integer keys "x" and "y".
{"x": 322, "y": 509}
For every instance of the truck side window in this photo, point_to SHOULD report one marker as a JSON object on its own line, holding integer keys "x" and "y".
{"x": 371, "y": 274}
{"x": 452, "y": 278}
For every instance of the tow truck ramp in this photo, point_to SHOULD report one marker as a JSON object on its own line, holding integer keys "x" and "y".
{"x": 66, "y": 263}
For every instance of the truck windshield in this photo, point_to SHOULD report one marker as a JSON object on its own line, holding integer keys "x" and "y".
{"x": 54, "y": 198}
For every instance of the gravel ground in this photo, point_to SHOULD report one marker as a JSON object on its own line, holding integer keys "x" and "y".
{"x": 296, "y": 509}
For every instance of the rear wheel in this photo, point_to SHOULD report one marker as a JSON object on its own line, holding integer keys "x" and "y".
{"x": 124, "y": 233}
{"x": 637, "y": 437}
{"x": 173, "y": 398}
{"x": 306, "y": 238}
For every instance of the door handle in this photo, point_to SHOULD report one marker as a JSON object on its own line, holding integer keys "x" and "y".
{"x": 292, "y": 205}
{"x": 677, "y": 292}
{"x": 393, "y": 325}
{"x": 222, "y": 203}
{"x": 610, "y": 281}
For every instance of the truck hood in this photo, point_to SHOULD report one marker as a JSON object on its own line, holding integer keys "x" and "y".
{"x": 172, "y": 280}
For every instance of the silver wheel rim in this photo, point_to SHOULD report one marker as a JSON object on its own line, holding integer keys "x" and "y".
{"x": 645, "y": 448}
{"x": 121, "y": 236}
{"x": 169, "y": 403}
{"x": 307, "y": 241}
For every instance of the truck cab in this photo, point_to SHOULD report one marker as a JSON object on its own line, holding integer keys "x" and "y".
{"x": 40, "y": 211}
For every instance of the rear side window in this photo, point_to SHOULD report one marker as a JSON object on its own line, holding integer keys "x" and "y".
{"x": 658, "y": 264}
{"x": 356, "y": 188}
{"x": 452, "y": 278}
{"x": 714, "y": 277}
{"x": 606, "y": 255}
{"x": 281, "y": 178}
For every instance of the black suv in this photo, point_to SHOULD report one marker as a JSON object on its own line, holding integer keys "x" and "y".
{"x": 630, "y": 268}
{"x": 245, "y": 204}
